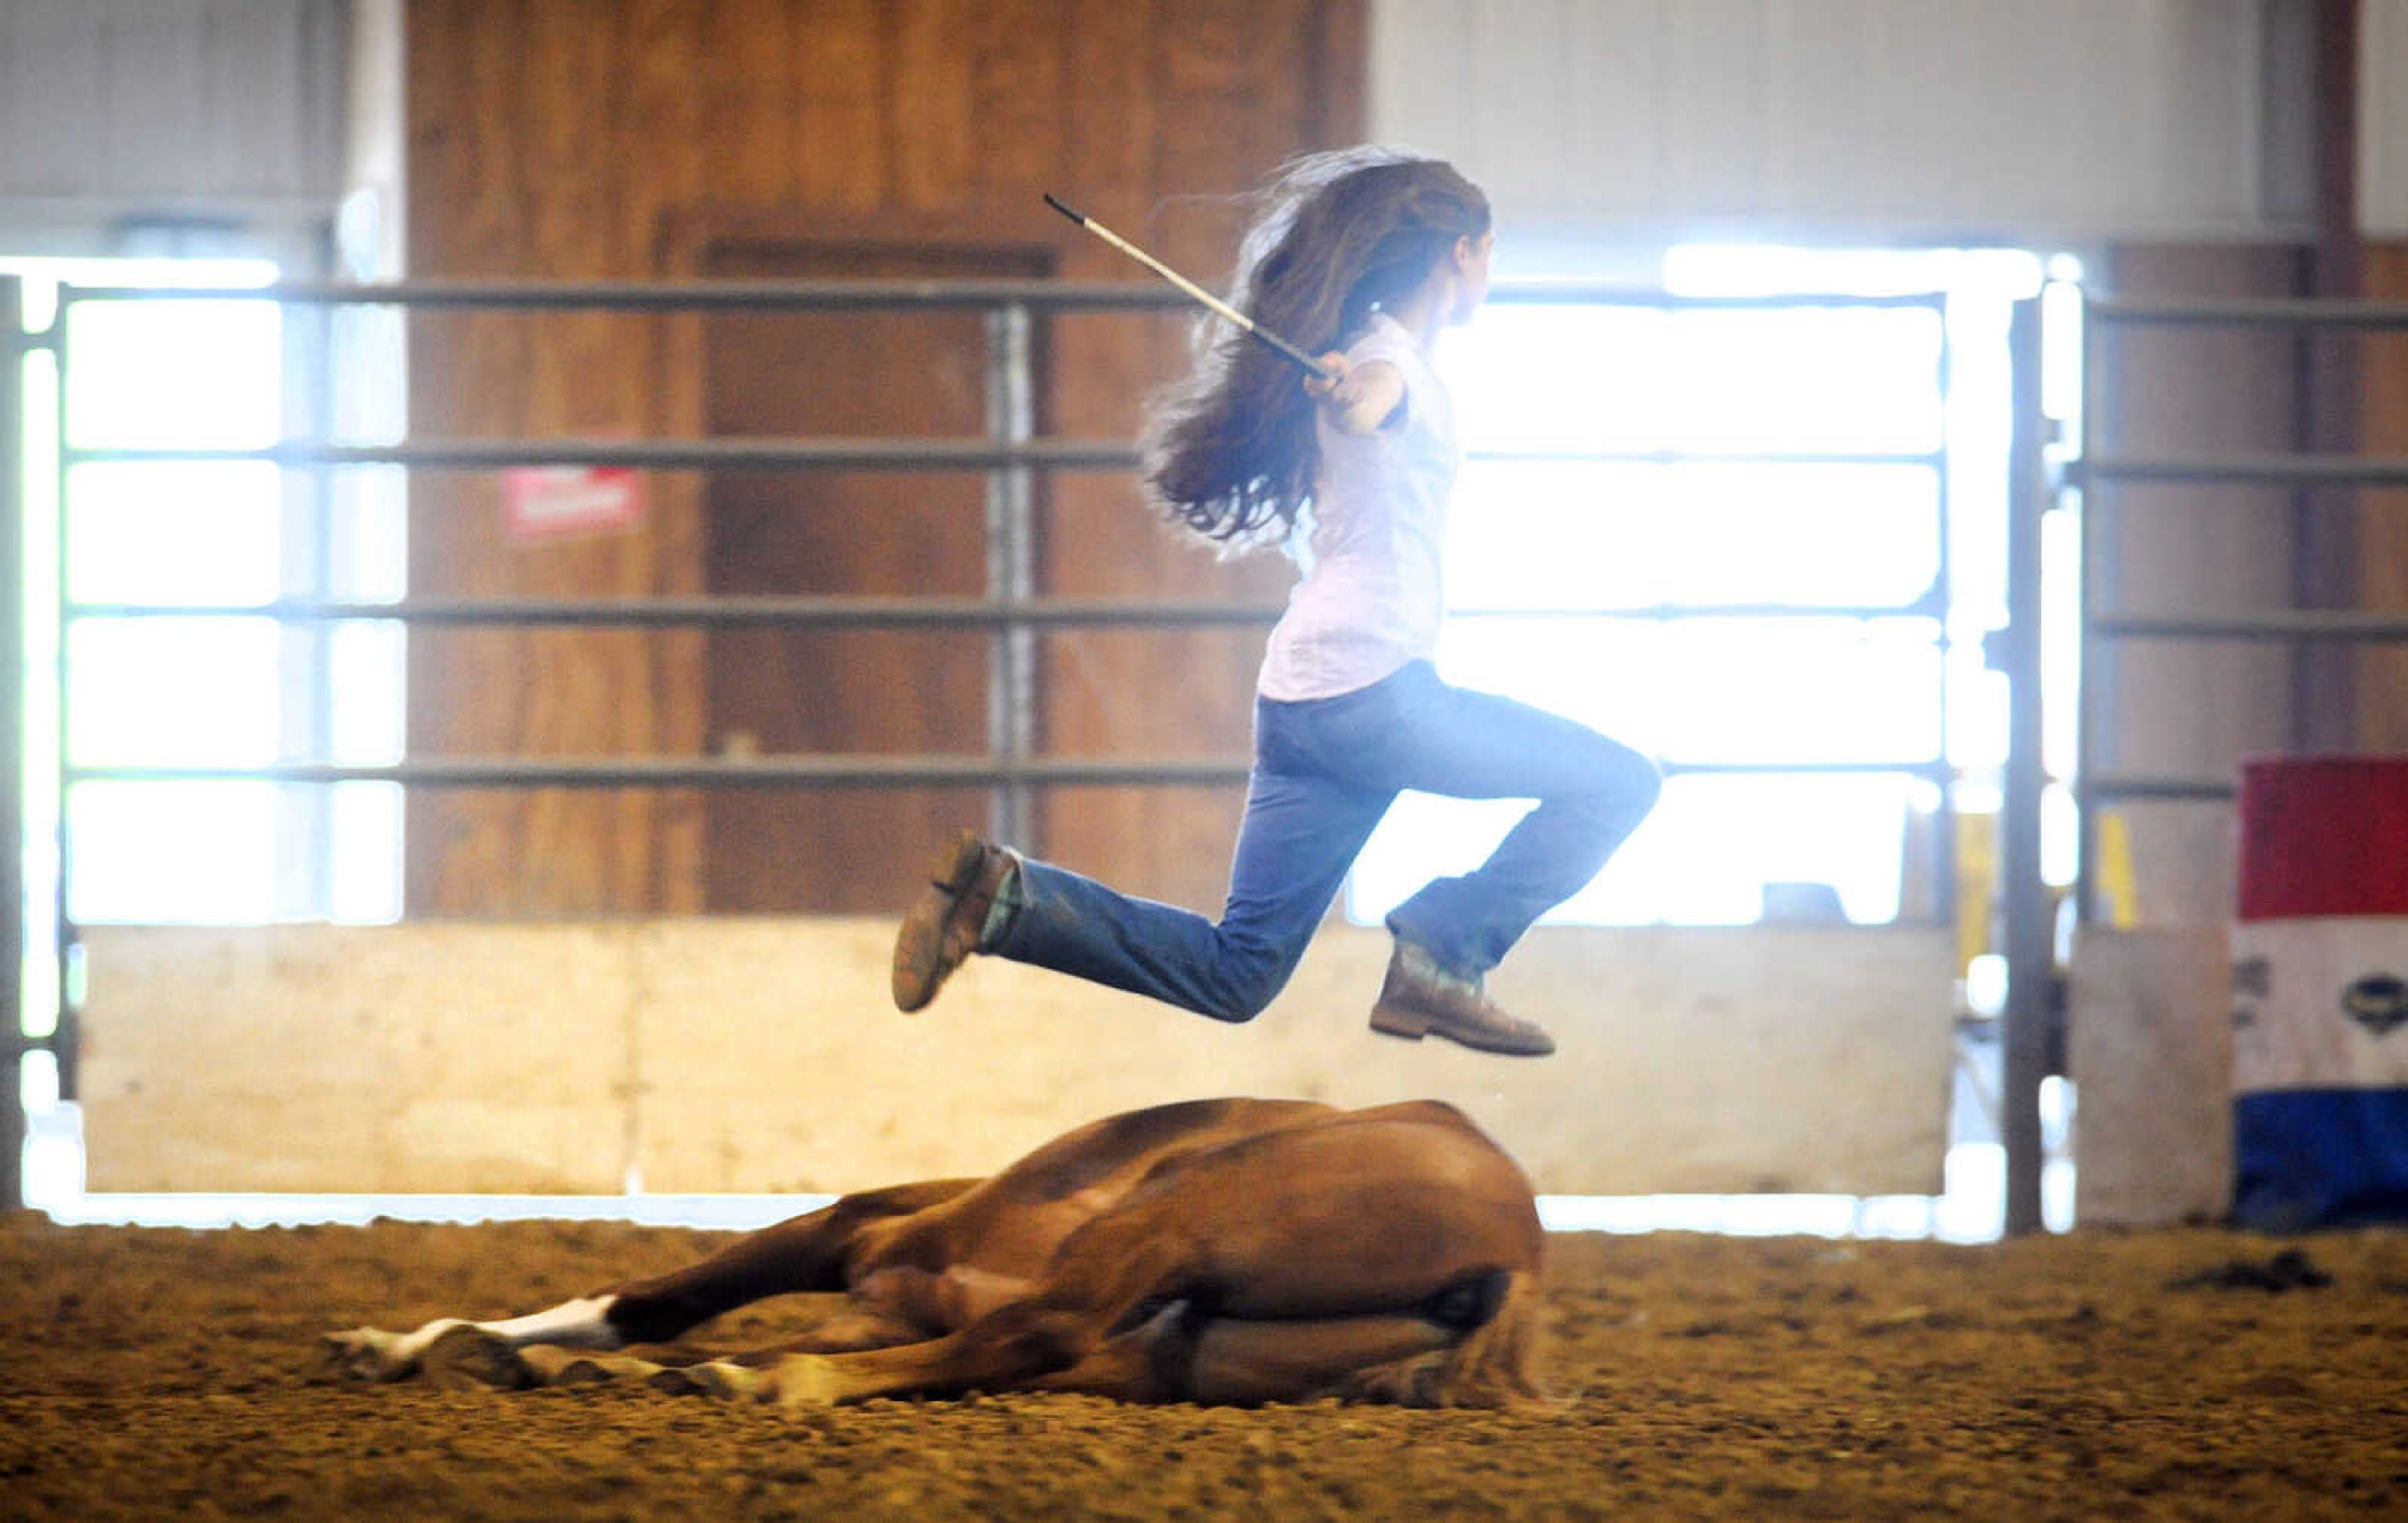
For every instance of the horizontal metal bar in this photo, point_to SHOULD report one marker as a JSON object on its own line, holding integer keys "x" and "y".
{"x": 2109, "y": 787}
{"x": 866, "y": 772}
{"x": 1931, "y": 605}
{"x": 671, "y": 296}
{"x": 913, "y": 612}
{"x": 664, "y": 454}
{"x": 2306, "y": 313}
{"x": 827, "y": 612}
{"x": 860, "y": 454}
{"x": 1603, "y": 294}
{"x": 2289, "y": 623}
{"x": 1933, "y": 460}
{"x": 842, "y": 296}
{"x": 2267, "y": 470}
{"x": 872, "y": 772}
{"x": 1937, "y": 769}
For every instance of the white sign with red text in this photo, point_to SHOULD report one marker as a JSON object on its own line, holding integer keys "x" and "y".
{"x": 555, "y": 502}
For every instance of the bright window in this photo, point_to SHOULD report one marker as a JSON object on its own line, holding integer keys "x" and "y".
{"x": 168, "y": 375}
{"x": 1644, "y": 597}
{"x": 199, "y": 689}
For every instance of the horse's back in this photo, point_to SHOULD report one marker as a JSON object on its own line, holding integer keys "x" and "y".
{"x": 1130, "y": 1144}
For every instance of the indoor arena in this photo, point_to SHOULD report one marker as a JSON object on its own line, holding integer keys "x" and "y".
{"x": 1235, "y": 759}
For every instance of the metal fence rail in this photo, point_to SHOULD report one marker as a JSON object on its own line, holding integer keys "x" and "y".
{"x": 845, "y": 455}
{"x": 675, "y": 297}
{"x": 2030, "y": 953}
{"x": 2244, "y": 469}
{"x": 922, "y": 771}
{"x": 2097, "y": 474}
{"x": 899, "y": 612}
{"x": 1010, "y": 614}
{"x": 13, "y": 1041}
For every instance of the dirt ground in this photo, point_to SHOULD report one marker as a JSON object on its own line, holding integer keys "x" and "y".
{"x": 174, "y": 1373}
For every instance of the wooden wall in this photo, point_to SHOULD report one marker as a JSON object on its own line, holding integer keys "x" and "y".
{"x": 451, "y": 1057}
{"x": 608, "y": 139}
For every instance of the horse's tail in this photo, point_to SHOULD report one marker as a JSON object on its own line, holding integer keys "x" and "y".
{"x": 1492, "y": 1366}
{"x": 1495, "y": 1365}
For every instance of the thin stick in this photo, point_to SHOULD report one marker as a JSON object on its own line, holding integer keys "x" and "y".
{"x": 1280, "y": 345}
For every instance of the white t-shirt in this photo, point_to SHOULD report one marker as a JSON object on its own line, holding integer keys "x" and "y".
{"x": 1370, "y": 601}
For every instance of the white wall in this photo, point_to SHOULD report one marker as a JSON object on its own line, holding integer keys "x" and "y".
{"x": 370, "y": 234}
{"x": 2075, "y": 119}
{"x": 117, "y": 108}
{"x": 2383, "y": 118}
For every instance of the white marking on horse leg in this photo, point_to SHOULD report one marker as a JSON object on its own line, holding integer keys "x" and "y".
{"x": 373, "y": 1354}
{"x": 583, "y": 1323}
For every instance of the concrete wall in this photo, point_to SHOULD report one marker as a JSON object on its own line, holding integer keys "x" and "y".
{"x": 762, "y": 1055}
{"x": 2151, "y": 1054}
{"x": 2019, "y": 120}
{"x": 206, "y": 109}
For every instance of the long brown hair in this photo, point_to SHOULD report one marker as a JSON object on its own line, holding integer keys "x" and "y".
{"x": 1230, "y": 451}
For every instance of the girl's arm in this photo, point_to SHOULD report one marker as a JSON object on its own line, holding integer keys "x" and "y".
{"x": 1359, "y": 399}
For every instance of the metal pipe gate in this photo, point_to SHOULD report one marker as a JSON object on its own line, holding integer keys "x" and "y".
{"x": 2086, "y": 484}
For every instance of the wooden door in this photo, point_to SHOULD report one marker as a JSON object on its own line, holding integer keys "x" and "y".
{"x": 774, "y": 691}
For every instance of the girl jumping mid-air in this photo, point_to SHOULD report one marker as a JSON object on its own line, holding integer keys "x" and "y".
{"x": 1367, "y": 254}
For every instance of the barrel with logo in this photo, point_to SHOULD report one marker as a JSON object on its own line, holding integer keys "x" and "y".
{"x": 2320, "y": 993}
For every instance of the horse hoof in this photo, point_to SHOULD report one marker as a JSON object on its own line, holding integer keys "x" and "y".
{"x": 553, "y": 1366}
{"x": 674, "y": 1380}
{"x": 728, "y": 1382}
{"x": 468, "y": 1358}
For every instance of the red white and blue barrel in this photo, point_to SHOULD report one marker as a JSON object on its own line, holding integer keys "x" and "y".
{"x": 2320, "y": 993}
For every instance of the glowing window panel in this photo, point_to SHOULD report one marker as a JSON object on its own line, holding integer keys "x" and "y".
{"x": 184, "y": 531}
{"x": 173, "y": 852}
{"x": 1608, "y": 473}
{"x": 193, "y": 692}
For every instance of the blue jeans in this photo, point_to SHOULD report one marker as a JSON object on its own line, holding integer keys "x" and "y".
{"x": 1325, "y": 772}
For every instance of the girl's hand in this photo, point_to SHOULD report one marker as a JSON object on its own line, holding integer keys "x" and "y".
{"x": 1336, "y": 372}
{"x": 1359, "y": 399}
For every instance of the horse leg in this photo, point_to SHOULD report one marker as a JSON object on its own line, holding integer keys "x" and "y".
{"x": 811, "y": 1253}
{"x": 805, "y": 1254}
{"x": 1217, "y": 1362}
{"x": 1442, "y": 1353}
{"x": 1102, "y": 1279}
{"x": 1238, "y": 1363}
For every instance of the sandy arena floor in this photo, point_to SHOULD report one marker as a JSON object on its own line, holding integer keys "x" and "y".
{"x": 171, "y": 1373}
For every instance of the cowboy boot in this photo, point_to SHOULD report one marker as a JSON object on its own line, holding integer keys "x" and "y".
{"x": 1420, "y": 998}
{"x": 950, "y": 920}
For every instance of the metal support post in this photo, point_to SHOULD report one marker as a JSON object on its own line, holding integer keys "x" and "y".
{"x": 12, "y": 744}
{"x": 1944, "y": 595}
{"x": 306, "y": 653}
{"x": 1012, "y": 569}
{"x": 2092, "y": 677}
{"x": 2031, "y": 953}
{"x": 66, "y": 948}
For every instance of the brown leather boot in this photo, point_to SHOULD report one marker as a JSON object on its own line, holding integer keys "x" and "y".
{"x": 947, "y": 923}
{"x": 1420, "y": 998}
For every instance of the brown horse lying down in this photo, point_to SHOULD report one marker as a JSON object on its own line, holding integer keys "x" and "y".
{"x": 1219, "y": 1251}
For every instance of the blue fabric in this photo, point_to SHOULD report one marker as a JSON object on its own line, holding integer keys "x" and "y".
{"x": 1325, "y": 772}
{"x": 2319, "y": 1158}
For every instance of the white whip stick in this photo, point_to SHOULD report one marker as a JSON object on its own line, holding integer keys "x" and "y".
{"x": 1215, "y": 304}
